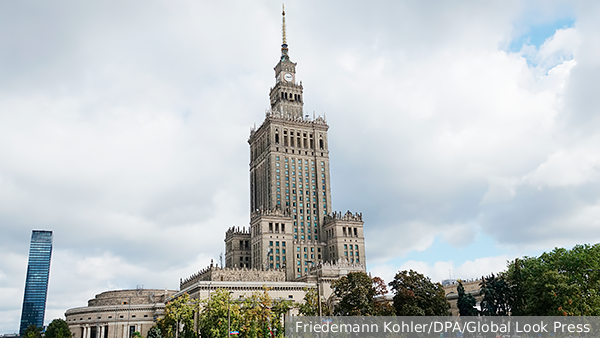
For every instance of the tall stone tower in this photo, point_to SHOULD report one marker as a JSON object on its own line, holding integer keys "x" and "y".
{"x": 292, "y": 226}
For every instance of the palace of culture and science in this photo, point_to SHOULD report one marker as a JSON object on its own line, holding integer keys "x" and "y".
{"x": 294, "y": 242}
{"x": 292, "y": 225}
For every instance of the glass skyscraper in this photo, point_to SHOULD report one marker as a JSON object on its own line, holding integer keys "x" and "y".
{"x": 36, "y": 284}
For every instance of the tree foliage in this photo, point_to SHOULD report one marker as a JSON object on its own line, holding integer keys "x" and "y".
{"x": 179, "y": 318}
{"x": 154, "y": 332}
{"x": 496, "y": 296}
{"x": 381, "y": 305}
{"x": 213, "y": 318}
{"x": 58, "y": 328}
{"x": 558, "y": 283}
{"x": 255, "y": 316}
{"x": 356, "y": 295}
{"x": 417, "y": 295}
{"x": 466, "y": 302}
{"x": 33, "y": 331}
{"x": 310, "y": 305}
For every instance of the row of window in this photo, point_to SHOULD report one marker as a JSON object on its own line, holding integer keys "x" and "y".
{"x": 300, "y": 140}
{"x": 293, "y": 196}
{"x": 292, "y": 96}
{"x": 277, "y": 227}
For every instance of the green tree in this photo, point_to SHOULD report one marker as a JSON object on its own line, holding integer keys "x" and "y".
{"x": 154, "y": 332}
{"x": 262, "y": 316}
{"x": 466, "y": 302}
{"x": 496, "y": 296}
{"x": 310, "y": 306}
{"x": 417, "y": 295}
{"x": 213, "y": 317}
{"x": 560, "y": 282}
{"x": 356, "y": 294}
{"x": 179, "y": 318}
{"x": 33, "y": 331}
{"x": 381, "y": 307}
{"x": 58, "y": 328}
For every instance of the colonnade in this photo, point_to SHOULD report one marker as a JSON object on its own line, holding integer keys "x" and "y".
{"x": 102, "y": 330}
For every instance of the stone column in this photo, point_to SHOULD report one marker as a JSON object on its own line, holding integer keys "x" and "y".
{"x": 84, "y": 334}
{"x": 101, "y": 333}
{"x": 89, "y": 332}
{"x": 124, "y": 330}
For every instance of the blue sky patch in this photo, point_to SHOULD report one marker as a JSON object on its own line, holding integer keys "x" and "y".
{"x": 536, "y": 34}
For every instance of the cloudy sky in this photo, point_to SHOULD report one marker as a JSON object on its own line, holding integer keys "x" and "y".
{"x": 466, "y": 132}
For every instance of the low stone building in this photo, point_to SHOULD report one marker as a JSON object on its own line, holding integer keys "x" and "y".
{"x": 119, "y": 313}
{"x": 242, "y": 282}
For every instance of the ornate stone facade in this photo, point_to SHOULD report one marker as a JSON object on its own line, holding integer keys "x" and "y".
{"x": 292, "y": 225}
{"x": 117, "y": 314}
{"x": 238, "y": 247}
{"x": 215, "y": 273}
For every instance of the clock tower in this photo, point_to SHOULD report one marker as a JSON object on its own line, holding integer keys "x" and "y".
{"x": 286, "y": 96}
{"x": 292, "y": 224}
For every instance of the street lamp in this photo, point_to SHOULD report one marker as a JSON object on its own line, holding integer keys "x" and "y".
{"x": 229, "y": 314}
{"x": 318, "y": 289}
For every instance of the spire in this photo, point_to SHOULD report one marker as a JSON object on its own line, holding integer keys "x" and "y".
{"x": 283, "y": 15}
{"x": 284, "y": 49}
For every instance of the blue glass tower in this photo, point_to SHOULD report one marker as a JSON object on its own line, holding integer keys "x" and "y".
{"x": 36, "y": 284}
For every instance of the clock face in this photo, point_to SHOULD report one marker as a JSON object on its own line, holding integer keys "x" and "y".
{"x": 288, "y": 77}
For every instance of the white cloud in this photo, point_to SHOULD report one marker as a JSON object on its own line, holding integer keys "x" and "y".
{"x": 440, "y": 270}
{"x": 123, "y": 129}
